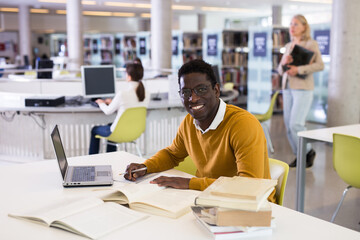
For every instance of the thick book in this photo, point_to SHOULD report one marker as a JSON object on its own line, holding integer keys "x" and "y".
{"x": 88, "y": 217}
{"x": 237, "y": 193}
{"x": 228, "y": 232}
{"x": 150, "y": 198}
{"x": 301, "y": 56}
{"x": 235, "y": 217}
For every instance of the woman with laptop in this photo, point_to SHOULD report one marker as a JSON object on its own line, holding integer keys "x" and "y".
{"x": 133, "y": 95}
{"x": 298, "y": 83}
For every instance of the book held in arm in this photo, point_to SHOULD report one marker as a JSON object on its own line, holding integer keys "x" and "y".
{"x": 301, "y": 56}
{"x": 237, "y": 192}
{"x": 88, "y": 217}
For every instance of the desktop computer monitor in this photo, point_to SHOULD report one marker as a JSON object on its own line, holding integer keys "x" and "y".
{"x": 215, "y": 68}
{"x": 44, "y": 64}
{"x": 98, "y": 81}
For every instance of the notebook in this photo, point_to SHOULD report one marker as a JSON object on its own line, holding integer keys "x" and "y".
{"x": 301, "y": 56}
{"x": 76, "y": 176}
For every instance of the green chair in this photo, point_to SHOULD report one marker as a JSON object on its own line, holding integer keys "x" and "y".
{"x": 130, "y": 126}
{"x": 187, "y": 166}
{"x": 346, "y": 162}
{"x": 266, "y": 116}
{"x": 279, "y": 170}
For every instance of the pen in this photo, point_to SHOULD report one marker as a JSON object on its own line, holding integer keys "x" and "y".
{"x": 134, "y": 171}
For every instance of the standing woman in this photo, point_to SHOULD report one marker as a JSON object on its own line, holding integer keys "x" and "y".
{"x": 133, "y": 95}
{"x": 298, "y": 92}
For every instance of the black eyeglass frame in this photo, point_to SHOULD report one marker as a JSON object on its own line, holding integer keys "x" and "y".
{"x": 197, "y": 90}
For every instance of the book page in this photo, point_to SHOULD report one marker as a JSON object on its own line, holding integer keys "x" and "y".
{"x": 174, "y": 201}
{"x": 100, "y": 220}
{"x": 58, "y": 209}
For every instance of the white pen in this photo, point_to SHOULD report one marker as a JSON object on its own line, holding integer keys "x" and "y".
{"x": 134, "y": 171}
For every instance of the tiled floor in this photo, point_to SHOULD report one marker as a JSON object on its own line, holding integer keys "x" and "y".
{"x": 323, "y": 187}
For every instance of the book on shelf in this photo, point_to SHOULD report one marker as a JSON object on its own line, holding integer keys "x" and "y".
{"x": 229, "y": 232}
{"x": 150, "y": 198}
{"x": 235, "y": 217}
{"x": 237, "y": 192}
{"x": 88, "y": 217}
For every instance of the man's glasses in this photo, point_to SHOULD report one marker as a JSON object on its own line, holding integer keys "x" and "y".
{"x": 199, "y": 91}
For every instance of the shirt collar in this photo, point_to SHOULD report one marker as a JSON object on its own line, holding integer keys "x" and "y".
{"x": 217, "y": 120}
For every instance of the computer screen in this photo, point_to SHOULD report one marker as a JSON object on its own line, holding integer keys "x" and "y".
{"x": 43, "y": 64}
{"x": 215, "y": 68}
{"x": 98, "y": 81}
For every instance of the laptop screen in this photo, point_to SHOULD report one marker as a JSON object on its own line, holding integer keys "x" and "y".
{"x": 59, "y": 151}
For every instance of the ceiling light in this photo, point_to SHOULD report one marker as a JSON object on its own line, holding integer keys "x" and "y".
{"x": 145, "y": 15}
{"x": 52, "y": 1}
{"x": 218, "y": 9}
{"x": 123, "y": 14}
{"x": 60, "y": 11}
{"x": 97, "y": 13}
{"x": 182, "y": 7}
{"x": 313, "y": 1}
{"x": 85, "y": 2}
{"x": 9, "y": 9}
{"x": 123, "y": 4}
{"x": 39, "y": 10}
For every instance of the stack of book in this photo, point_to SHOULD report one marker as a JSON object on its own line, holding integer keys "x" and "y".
{"x": 235, "y": 207}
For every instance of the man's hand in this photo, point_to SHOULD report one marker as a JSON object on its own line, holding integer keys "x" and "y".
{"x": 292, "y": 71}
{"x": 174, "y": 182}
{"x": 133, "y": 176}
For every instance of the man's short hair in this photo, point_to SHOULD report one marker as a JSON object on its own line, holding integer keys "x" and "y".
{"x": 198, "y": 66}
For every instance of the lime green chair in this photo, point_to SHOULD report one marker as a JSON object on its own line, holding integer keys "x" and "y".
{"x": 266, "y": 116}
{"x": 346, "y": 162}
{"x": 187, "y": 166}
{"x": 279, "y": 170}
{"x": 130, "y": 126}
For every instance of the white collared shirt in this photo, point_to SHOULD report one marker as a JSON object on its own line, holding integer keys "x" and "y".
{"x": 217, "y": 120}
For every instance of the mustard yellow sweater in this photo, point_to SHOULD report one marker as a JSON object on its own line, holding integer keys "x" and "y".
{"x": 236, "y": 147}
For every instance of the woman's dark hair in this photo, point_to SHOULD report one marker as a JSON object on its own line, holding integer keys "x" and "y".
{"x": 136, "y": 72}
{"x": 198, "y": 66}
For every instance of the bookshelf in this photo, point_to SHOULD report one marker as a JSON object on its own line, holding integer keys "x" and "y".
{"x": 106, "y": 46}
{"x": 192, "y": 42}
{"x": 143, "y": 48}
{"x": 87, "y": 49}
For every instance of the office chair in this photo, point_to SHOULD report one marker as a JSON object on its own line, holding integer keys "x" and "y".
{"x": 279, "y": 170}
{"x": 346, "y": 162}
{"x": 266, "y": 116}
{"x": 187, "y": 166}
{"x": 130, "y": 126}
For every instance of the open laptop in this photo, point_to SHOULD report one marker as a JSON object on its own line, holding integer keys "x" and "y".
{"x": 75, "y": 176}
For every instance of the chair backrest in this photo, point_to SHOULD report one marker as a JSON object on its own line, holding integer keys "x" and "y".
{"x": 346, "y": 158}
{"x": 187, "y": 166}
{"x": 270, "y": 110}
{"x": 279, "y": 170}
{"x": 130, "y": 126}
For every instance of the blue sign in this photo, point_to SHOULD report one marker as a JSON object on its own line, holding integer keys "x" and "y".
{"x": 260, "y": 44}
{"x": 212, "y": 45}
{"x": 323, "y": 39}
{"x": 142, "y": 46}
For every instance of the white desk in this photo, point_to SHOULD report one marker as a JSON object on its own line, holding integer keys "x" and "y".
{"x": 324, "y": 135}
{"x": 34, "y": 183}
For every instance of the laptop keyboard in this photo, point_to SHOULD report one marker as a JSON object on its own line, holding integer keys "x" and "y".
{"x": 83, "y": 174}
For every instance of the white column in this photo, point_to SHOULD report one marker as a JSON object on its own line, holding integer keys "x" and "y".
{"x": 24, "y": 33}
{"x": 344, "y": 76}
{"x": 74, "y": 34}
{"x": 161, "y": 19}
{"x": 276, "y": 15}
{"x": 201, "y": 22}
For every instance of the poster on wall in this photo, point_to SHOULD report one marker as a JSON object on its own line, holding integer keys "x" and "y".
{"x": 142, "y": 42}
{"x": 212, "y": 45}
{"x": 323, "y": 39}
{"x": 174, "y": 45}
{"x": 95, "y": 46}
{"x": 260, "y": 44}
{"x": 117, "y": 46}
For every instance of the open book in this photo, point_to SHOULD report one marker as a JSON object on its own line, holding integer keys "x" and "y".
{"x": 150, "y": 198}
{"x": 88, "y": 217}
{"x": 237, "y": 192}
